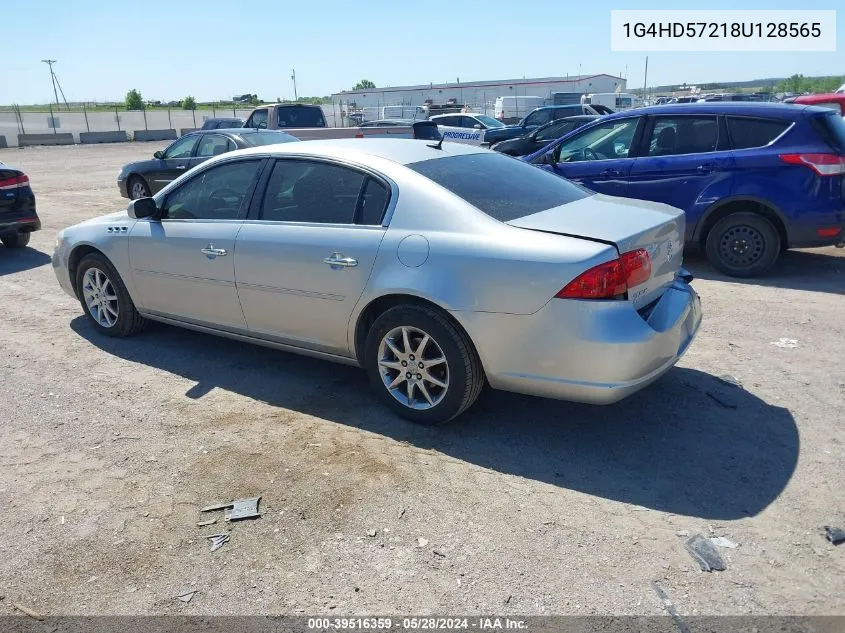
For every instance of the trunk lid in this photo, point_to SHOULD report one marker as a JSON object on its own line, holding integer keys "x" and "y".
{"x": 628, "y": 225}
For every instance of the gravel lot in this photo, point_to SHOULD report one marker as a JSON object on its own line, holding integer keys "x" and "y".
{"x": 523, "y": 506}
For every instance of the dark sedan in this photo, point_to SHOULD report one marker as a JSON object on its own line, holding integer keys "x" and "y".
{"x": 222, "y": 123}
{"x": 144, "y": 178}
{"x": 542, "y": 136}
{"x": 17, "y": 208}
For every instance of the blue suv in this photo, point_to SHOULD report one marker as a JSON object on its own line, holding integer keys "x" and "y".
{"x": 753, "y": 178}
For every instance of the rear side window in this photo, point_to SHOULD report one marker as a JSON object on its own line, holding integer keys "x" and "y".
{"x": 499, "y": 185}
{"x": 831, "y": 128}
{"x": 746, "y": 132}
{"x": 683, "y": 135}
{"x": 373, "y": 202}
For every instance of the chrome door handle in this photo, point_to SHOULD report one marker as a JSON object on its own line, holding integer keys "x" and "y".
{"x": 210, "y": 251}
{"x": 338, "y": 259}
{"x": 181, "y": 166}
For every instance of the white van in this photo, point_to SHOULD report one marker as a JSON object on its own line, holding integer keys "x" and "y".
{"x": 614, "y": 100}
{"x": 513, "y": 109}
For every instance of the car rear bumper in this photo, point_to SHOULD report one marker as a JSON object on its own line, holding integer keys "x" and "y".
{"x": 14, "y": 222}
{"x": 597, "y": 352}
{"x": 816, "y": 236}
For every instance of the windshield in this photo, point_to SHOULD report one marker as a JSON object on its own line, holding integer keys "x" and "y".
{"x": 602, "y": 142}
{"x": 488, "y": 121}
{"x": 498, "y": 185}
{"x": 268, "y": 138}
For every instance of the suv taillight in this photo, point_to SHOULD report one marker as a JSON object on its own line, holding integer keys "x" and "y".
{"x": 822, "y": 164}
{"x": 610, "y": 280}
{"x": 15, "y": 182}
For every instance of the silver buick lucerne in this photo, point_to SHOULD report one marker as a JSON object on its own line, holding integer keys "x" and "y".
{"x": 435, "y": 267}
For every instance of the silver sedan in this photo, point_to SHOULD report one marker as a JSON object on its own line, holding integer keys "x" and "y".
{"x": 436, "y": 267}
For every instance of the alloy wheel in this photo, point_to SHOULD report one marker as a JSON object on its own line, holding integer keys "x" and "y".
{"x": 100, "y": 297}
{"x": 413, "y": 367}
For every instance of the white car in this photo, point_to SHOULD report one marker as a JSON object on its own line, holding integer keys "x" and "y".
{"x": 465, "y": 127}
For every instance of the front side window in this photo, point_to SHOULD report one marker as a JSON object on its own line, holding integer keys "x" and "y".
{"x": 213, "y": 145}
{"x": 218, "y": 193}
{"x": 498, "y": 185}
{"x": 488, "y": 122}
{"x": 258, "y": 119}
{"x": 556, "y": 130}
{"x": 183, "y": 148}
{"x": 602, "y": 142}
{"x": 538, "y": 117}
{"x": 683, "y": 135}
{"x": 311, "y": 191}
{"x": 449, "y": 121}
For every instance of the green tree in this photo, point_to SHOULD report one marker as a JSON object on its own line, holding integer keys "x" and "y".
{"x": 254, "y": 100}
{"x": 189, "y": 103}
{"x": 134, "y": 100}
{"x": 364, "y": 84}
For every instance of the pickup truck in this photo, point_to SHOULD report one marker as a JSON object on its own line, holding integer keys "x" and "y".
{"x": 310, "y": 124}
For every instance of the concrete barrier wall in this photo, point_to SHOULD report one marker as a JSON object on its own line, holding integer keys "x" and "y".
{"x": 155, "y": 135}
{"x": 3, "y": 143}
{"x": 45, "y": 139}
{"x": 187, "y": 130}
{"x": 103, "y": 137}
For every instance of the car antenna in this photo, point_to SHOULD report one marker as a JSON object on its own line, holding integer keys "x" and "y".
{"x": 439, "y": 144}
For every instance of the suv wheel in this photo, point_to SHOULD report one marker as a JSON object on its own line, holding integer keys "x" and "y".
{"x": 421, "y": 365}
{"x": 138, "y": 188}
{"x": 19, "y": 240}
{"x": 743, "y": 245}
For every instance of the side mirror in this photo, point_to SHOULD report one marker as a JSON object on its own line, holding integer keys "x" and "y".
{"x": 548, "y": 158}
{"x": 142, "y": 208}
{"x": 159, "y": 154}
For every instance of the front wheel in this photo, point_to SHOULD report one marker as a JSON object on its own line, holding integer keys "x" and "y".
{"x": 743, "y": 245}
{"x": 138, "y": 188}
{"x": 105, "y": 299}
{"x": 421, "y": 365}
{"x": 19, "y": 240}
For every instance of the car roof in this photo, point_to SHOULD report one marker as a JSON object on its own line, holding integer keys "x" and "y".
{"x": 822, "y": 98}
{"x": 401, "y": 151}
{"x": 748, "y": 108}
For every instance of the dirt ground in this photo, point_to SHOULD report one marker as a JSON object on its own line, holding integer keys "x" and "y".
{"x": 522, "y": 506}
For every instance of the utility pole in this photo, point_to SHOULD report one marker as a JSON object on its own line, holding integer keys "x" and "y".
{"x": 50, "y": 63}
{"x": 293, "y": 78}
{"x": 645, "y": 80}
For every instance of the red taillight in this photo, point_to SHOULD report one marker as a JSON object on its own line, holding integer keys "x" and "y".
{"x": 610, "y": 280}
{"x": 832, "y": 231}
{"x": 822, "y": 164}
{"x": 15, "y": 182}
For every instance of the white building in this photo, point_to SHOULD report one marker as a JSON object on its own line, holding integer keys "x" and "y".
{"x": 479, "y": 94}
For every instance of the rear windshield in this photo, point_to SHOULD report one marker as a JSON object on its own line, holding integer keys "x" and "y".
{"x": 301, "y": 116}
{"x": 268, "y": 138}
{"x": 831, "y": 127}
{"x": 503, "y": 187}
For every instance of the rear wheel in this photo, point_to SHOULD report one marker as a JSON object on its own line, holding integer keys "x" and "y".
{"x": 421, "y": 365}
{"x": 105, "y": 299}
{"x": 138, "y": 188}
{"x": 743, "y": 245}
{"x": 19, "y": 240}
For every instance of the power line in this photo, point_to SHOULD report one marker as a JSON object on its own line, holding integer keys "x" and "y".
{"x": 56, "y": 83}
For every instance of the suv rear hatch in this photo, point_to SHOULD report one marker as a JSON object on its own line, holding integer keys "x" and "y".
{"x": 628, "y": 225}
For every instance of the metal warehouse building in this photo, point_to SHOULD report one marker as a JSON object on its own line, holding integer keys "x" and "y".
{"x": 478, "y": 93}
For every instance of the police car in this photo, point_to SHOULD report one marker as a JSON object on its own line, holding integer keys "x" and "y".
{"x": 465, "y": 127}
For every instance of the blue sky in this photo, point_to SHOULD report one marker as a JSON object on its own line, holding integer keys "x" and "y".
{"x": 214, "y": 49}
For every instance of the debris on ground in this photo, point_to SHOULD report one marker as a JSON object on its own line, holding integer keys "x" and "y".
{"x": 721, "y": 541}
{"x": 240, "y": 509}
{"x": 186, "y": 593}
{"x": 730, "y": 381}
{"x": 670, "y": 608}
{"x": 786, "y": 343}
{"x": 834, "y": 534}
{"x": 682, "y": 532}
{"x": 705, "y": 553}
{"x": 204, "y": 523}
{"x": 437, "y": 552}
{"x": 371, "y": 533}
{"x": 421, "y": 542}
{"x": 401, "y": 512}
{"x": 728, "y": 403}
{"x": 33, "y": 614}
{"x": 218, "y": 540}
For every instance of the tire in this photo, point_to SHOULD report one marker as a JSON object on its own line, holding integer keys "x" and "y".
{"x": 137, "y": 187}
{"x": 119, "y": 317}
{"x": 743, "y": 245}
{"x": 19, "y": 240}
{"x": 461, "y": 371}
